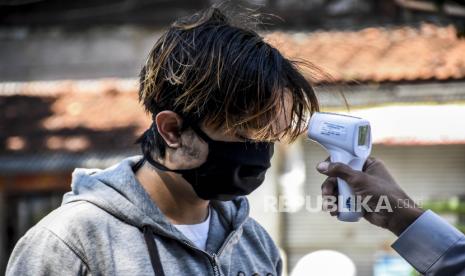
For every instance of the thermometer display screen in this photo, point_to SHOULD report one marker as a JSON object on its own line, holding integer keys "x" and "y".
{"x": 362, "y": 135}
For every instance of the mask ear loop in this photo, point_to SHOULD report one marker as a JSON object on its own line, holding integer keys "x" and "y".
{"x": 146, "y": 156}
{"x": 200, "y": 133}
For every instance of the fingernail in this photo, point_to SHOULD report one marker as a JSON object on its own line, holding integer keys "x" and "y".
{"x": 323, "y": 166}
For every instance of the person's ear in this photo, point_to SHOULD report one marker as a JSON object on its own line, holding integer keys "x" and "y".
{"x": 169, "y": 124}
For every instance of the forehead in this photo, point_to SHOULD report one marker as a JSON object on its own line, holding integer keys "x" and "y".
{"x": 284, "y": 114}
{"x": 281, "y": 122}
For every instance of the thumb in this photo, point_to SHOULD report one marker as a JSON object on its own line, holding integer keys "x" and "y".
{"x": 337, "y": 170}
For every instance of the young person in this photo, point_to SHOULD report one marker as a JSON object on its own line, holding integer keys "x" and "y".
{"x": 219, "y": 97}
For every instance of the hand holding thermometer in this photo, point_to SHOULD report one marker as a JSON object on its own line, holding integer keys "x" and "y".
{"x": 347, "y": 140}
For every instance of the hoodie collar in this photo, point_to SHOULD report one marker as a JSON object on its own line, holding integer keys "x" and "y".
{"x": 117, "y": 191}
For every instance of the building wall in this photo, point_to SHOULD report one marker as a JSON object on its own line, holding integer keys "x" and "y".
{"x": 53, "y": 54}
{"x": 425, "y": 172}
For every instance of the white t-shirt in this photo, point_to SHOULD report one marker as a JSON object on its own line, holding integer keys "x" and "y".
{"x": 196, "y": 233}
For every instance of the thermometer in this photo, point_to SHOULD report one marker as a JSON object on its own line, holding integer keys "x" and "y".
{"x": 347, "y": 140}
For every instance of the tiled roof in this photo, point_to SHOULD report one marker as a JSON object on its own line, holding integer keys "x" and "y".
{"x": 70, "y": 116}
{"x": 379, "y": 54}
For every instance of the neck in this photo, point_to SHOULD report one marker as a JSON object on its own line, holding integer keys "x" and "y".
{"x": 173, "y": 195}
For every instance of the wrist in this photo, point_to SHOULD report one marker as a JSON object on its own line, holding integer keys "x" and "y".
{"x": 401, "y": 218}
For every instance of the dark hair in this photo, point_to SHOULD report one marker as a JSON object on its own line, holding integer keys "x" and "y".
{"x": 207, "y": 69}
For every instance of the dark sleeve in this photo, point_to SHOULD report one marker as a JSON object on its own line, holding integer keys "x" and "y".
{"x": 433, "y": 246}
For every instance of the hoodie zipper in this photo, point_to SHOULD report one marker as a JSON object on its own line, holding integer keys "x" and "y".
{"x": 216, "y": 269}
{"x": 226, "y": 242}
{"x": 213, "y": 258}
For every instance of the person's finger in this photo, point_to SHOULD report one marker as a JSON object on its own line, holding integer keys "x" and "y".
{"x": 352, "y": 177}
{"x": 328, "y": 188}
{"x": 329, "y": 204}
{"x": 329, "y": 194}
{"x": 337, "y": 170}
{"x": 369, "y": 162}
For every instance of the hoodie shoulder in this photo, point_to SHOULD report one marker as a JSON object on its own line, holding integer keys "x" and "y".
{"x": 72, "y": 215}
{"x": 28, "y": 256}
{"x": 78, "y": 223}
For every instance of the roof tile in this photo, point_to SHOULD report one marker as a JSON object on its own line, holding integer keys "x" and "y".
{"x": 379, "y": 54}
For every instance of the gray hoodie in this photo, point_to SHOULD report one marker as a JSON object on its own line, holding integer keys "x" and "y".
{"x": 108, "y": 225}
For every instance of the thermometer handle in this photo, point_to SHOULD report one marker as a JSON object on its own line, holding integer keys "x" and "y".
{"x": 348, "y": 207}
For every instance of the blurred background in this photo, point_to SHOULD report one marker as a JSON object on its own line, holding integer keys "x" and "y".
{"x": 68, "y": 98}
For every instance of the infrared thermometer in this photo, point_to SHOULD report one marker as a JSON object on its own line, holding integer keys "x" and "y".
{"x": 347, "y": 140}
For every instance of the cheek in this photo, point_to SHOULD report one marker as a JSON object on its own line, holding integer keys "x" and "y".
{"x": 193, "y": 153}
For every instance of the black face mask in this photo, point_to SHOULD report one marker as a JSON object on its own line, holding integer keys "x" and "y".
{"x": 232, "y": 168}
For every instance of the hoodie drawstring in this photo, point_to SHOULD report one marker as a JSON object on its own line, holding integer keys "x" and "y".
{"x": 153, "y": 251}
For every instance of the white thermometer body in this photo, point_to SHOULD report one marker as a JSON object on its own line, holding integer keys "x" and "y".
{"x": 347, "y": 140}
